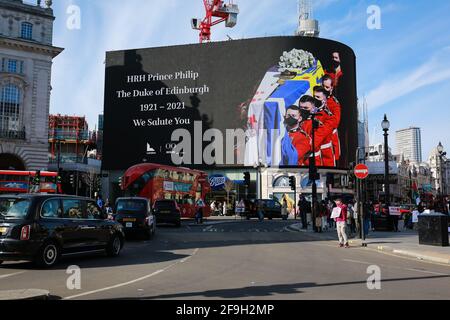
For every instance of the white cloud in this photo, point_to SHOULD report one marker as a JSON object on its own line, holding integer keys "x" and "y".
{"x": 435, "y": 70}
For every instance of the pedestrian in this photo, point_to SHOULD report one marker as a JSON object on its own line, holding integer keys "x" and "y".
{"x": 260, "y": 210}
{"x": 421, "y": 208}
{"x": 352, "y": 212}
{"x": 303, "y": 209}
{"x": 224, "y": 209}
{"x": 395, "y": 223}
{"x": 284, "y": 209}
{"x": 349, "y": 220}
{"x": 108, "y": 210}
{"x": 319, "y": 215}
{"x": 199, "y": 204}
{"x": 325, "y": 213}
{"x": 367, "y": 214}
{"x": 100, "y": 201}
{"x": 447, "y": 204}
{"x": 340, "y": 216}
{"x": 331, "y": 205}
{"x": 213, "y": 207}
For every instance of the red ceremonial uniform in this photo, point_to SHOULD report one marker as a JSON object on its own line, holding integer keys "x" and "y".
{"x": 335, "y": 108}
{"x": 322, "y": 138}
{"x": 336, "y": 76}
{"x": 302, "y": 143}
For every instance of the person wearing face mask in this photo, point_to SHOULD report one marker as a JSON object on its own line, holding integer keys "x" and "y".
{"x": 299, "y": 139}
{"x": 335, "y": 108}
{"x": 336, "y": 70}
{"x": 327, "y": 148}
{"x": 323, "y": 118}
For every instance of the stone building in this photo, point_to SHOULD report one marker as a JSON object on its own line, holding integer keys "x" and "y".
{"x": 26, "y": 54}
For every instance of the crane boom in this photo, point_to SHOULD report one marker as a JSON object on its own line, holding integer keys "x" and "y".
{"x": 215, "y": 9}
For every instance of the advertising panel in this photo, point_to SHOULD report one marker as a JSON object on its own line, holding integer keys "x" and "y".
{"x": 238, "y": 103}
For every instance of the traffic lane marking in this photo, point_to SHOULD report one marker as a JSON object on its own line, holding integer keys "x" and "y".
{"x": 132, "y": 281}
{"x": 395, "y": 267}
{"x": 11, "y": 275}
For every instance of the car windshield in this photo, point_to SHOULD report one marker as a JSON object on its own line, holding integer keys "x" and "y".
{"x": 165, "y": 204}
{"x": 14, "y": 208}
{"x": 131, "y": 205}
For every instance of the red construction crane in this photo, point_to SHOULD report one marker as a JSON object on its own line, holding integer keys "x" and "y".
{"x": 216, "y": 9}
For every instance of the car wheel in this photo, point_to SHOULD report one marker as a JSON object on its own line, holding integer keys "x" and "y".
{"x": 149, "y": 233}
{"x": 114, "y": 246}
{"x": 48, "y": 255}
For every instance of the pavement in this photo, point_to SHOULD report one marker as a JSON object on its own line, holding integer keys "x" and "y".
{"x": 24, "y": 294}
{"x": 405, "y": 243}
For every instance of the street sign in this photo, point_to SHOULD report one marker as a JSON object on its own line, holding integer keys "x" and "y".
{"x": 395, "y": 211}
{"x": 361, "y": 171}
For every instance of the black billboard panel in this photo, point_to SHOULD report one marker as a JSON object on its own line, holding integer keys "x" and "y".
{"x": 235, "y": 103}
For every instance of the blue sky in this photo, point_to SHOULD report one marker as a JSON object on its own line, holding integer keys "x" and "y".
{"x": 403, "y": 68}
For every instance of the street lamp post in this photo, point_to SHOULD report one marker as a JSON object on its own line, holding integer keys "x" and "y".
{"x": 313, "y": 172}
{"x": 442, "y": 154}
{"x": 386, "y": 125}
{"x": 258, "y": 166}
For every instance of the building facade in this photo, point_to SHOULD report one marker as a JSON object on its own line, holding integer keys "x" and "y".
{"x": 440, "y": 168}
{"x": 409, "y": 144}
{"x": 26, "y": 54}
{"x": 376, "y": 153}
{"x": 72, "y": 152}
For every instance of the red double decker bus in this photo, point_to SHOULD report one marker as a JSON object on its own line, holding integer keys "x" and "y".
{"x": 159, "y": 182}
{"x": 20, "y": 182}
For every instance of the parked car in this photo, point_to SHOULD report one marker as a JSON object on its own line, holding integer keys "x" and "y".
{"x": 167, "y": 211}
{"x": 271, "y": 209}
{"x": 135, "y": 215}
{"x": 44, "y": 228}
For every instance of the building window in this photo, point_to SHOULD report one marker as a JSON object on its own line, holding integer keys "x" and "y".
{"x": 27, "y": 31}
{"x": 10, "y": 108}
{"x": 281, "y": 182}
{"x": 12, "y": 66}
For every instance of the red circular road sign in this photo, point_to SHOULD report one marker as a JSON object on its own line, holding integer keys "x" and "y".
{"x": 361, "y": 171}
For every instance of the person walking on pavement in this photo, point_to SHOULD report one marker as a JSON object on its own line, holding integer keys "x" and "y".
{"x": 224, "y": 209}
{"x": 260, "y": 210}
{"x": 349, "y": 220}
{"x": 340, "y": 216}
{"x": 303, "y": 209}
{"x": 200, "y": 204}
{"x": 284, "y": 209}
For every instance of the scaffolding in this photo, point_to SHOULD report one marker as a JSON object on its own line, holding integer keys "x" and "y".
{"x": 73, "y": 133}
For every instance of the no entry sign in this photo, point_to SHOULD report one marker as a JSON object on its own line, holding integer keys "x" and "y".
{"x": 361, "y": 171}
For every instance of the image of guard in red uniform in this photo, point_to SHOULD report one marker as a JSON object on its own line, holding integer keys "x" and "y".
{"x": 336, "y": 109}
{"x": 300, "y": 139}
{"x": 336, "y": 71}
{"x": 311, "y": 107}
{"x": 327, "y": 148}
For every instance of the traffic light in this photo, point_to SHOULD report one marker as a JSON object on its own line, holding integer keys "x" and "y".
{"x": 247, "y": 178}
{"x": 293, "y": 183}
{"x": 120, "y": 182}
{"x": 72, "y": 179}
{"x": 37, "y": 178}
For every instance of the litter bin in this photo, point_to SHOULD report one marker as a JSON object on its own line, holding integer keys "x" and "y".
{"x": 433, "y": 229}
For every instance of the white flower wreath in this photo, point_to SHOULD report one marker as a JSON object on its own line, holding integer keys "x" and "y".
{"x": 296, "y": 59}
